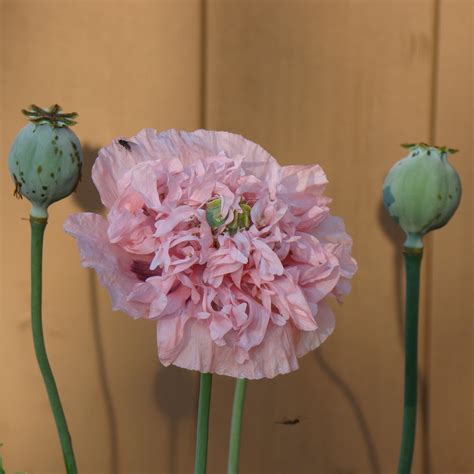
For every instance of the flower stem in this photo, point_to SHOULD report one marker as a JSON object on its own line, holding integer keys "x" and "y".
{"x": 205, "y": 386}
{"x": 38, "y": 226}
{"x": 236, "y": 425}
{"x": 412, "y": 269}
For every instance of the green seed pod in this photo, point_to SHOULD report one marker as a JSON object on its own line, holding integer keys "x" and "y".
{"x": 45, "y": 160}
{"x": 422, "y": 191}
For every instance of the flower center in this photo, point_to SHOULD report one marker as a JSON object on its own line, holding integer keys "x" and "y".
{"x": 215, "y": 219}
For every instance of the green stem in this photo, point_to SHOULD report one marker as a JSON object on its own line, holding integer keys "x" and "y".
{"x": 412, "y": 269}
{"x": 236, "y": 426}
{"x": 37, "y": 232}
{"x": 205, "y": 386}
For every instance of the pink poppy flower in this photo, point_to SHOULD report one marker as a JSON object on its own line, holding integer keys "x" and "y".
{"x": 234, "y": 256}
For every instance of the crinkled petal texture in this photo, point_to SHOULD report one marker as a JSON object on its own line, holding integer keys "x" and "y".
{"x": 245, "y": 303}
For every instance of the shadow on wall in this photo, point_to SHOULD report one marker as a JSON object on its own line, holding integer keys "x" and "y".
{"x": 397, "y": 237}
{"x": 88, "y": 200}
{"x": 172, "y": 389}
{"x": 87, "y": 196}
{"x": 355, "y": 407}
{"x": 172, "y": 385}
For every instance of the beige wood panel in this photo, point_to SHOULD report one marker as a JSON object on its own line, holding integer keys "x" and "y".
{"x": 340, "y": 83}
{"x": 451, "y": 363}
{"x": 123, "y": 65}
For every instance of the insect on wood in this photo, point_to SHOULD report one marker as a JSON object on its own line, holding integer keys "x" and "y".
{"x": 287, "y": 421}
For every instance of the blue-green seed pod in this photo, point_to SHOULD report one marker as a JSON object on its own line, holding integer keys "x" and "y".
{"x": 45, "y": 160}
{"x": 422, "y": 191}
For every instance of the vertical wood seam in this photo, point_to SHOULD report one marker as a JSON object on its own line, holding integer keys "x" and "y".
{"x": 203, "y": 96}
{"x": 428, "y": 273}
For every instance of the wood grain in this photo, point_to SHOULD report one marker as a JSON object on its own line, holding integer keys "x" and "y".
{"x": 451, "y": 350}
{"x": 336, "y": 82}
{"x": 341, "y": 84}
{"x": 123, "y": 66}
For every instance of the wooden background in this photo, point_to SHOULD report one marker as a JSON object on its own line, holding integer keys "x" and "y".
{"x": 336, "y": 82}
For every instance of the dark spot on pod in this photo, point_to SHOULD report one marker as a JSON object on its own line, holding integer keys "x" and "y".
{"x": 439, "y": 196}
{"x": 45, "y": 187}
{"x": 56, "y": 137}
{"x": 21, "y": 173}
{"x": 17, "y": 190}
{"x": 60, "y": 153}
{"x": 438, "y": 216}
{"x": 53, "y": 142}
{"x": 33, "y": 191}
{"x": 59, "y": 170}
{"x": 23, "y": 180}
{"x": 39, "y": 169}
{"x": 125, "y": 144}
{"x": 52, "y": 175}
{"x": 17, "y": 162}
{"x": 450, "y": 196}
{"x": 42, "y": 195}
{"x": 56, "y": 150}
{"x": 428, "y": 152}
{"x": 74, "y": 145}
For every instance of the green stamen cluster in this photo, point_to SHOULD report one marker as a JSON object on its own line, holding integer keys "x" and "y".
{"x": 215, "y": 219}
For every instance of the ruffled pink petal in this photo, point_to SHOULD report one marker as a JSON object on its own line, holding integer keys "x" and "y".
{"x": 112, "y": 163}
{"x": 219, "y": 326}
{"x": 197, "y": 351}
{"x": 304, "y": 179}
{"x": 256, "y": 323}
{"x": 332, "y": 233}
{"x": 245, "y": 302}
{"x": 132, "y": 230}
{"x": 291, "y": 303}
{"x": 266, "y": 261}
{"x": 143, "y": 180}
{"x": 177, "y": 216}
{"x": 310, "y": 340}
{"x": 110, "y": 262}
{"x": 170, "y": 336}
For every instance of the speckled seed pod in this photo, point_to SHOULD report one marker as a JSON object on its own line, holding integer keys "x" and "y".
{"x": 422, "y": 191}
{"x": 45, "y": 160}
